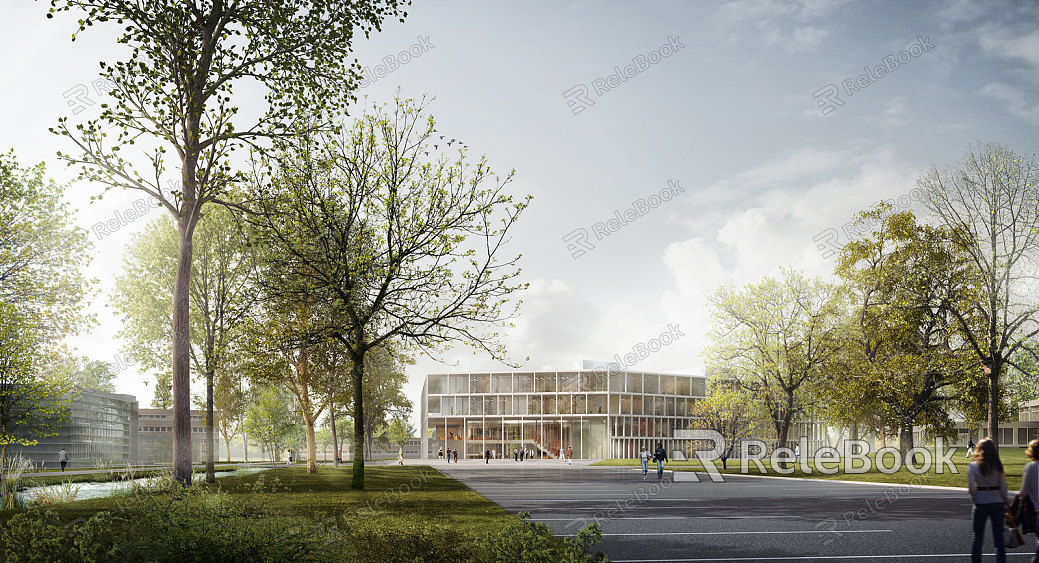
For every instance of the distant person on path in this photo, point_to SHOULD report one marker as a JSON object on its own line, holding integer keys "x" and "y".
{"x": 987, "y": 487}
{"x": 970, "y": 447}
{"x": 400, "y": 456}
{"x": 63, "y": 459}
{"x": 522, "y": 453}
{"x": 440, "y": 454}
{"x": 486, "y": 456}
{"x": 644, "y": 458}
{"x": 1030, "y": 484}
{"x": 569, "y": 452}
{"x": 515, "y": 454}
{"x": 448, "y": 455}
{"x": 660, "y": 456}
{"x": 456, "y": 455}
{"x": 797, "y": 452}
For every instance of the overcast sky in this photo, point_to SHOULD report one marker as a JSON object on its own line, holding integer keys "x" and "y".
{"x": 765, "y": 123}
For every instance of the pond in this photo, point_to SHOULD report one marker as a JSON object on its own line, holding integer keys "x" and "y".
{"x": 100, "y": 490}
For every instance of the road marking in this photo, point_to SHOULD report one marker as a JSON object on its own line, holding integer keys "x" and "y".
{"x": 742, "y": 534}
{"x": 901, "y": 557}
{"x": 677, "y": 517}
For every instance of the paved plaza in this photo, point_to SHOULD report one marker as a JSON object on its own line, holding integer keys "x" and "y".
{"x": 742, "y": 519}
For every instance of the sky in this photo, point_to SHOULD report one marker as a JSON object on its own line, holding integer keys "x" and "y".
{"x": 725, "y": 139}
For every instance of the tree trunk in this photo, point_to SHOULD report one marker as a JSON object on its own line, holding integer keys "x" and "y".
{"x": 210, "y": 442}
{"x": 357, "y": 374}
{"x": 245, "y": 444}
{"x": 905, "y": 438}
{"x": 182, "y": 352}
{"x": 227, "y": 443}
{"x": 993, "y": 401}
{"x": 311, "y": 445}
{"x": 335, "y": 441}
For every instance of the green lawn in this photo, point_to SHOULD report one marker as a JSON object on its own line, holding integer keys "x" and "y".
{"x": 1013, "y": 459}
{"x": 405, "y": 513}
{"x": 435, "y": 497}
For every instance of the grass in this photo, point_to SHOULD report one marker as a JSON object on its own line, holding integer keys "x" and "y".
{"x": 1013, "y": 459}
{"x": 411, "y": 494}
{"x": 102, "y": 476}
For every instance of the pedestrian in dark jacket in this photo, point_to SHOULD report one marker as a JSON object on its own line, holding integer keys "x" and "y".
{"x": 660, "y": 456}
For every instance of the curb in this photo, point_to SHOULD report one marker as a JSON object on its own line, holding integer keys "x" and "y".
{"x": 935, "y": 487}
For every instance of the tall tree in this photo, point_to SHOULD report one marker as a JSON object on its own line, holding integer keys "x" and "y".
{"x": 775, "y": 338}
{"x": 405, "y": 246}
{"x": 221, "y": 294}
{"x": 174, "y": 91}
{"x": 902, "y": 355}
{"x": 990, "y": 204}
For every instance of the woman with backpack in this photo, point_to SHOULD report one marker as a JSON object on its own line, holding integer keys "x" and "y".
{"x": 987, "y": 487}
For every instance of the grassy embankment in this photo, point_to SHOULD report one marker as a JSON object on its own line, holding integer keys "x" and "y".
{"x": 1013, "y": 460}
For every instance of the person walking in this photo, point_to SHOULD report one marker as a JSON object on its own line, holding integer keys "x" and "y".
{"x": 987, "y": 487}
{"x": 515, "y": 454}
{"x": 63, "y": 458}
{"x": 522, "y": 452}
{"x": 797, "y": 452}
{"x": 440, "y": 454}
{"x": 660, "y": 456}
{"x": 400, "y": 456}
{"x": 448, "y": 452}
{"x": 456, "y": 455}
{"x": 486, "y": 456}
{"x": 1030, "y": 484}
{"x": 569, "y": 452}
{"x": 970, "y": 447}
{"x": 644, "y": 458}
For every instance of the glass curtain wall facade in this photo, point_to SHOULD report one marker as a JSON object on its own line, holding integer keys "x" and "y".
{"x": 101, "y": 429}
{"x": 586, "y": 414}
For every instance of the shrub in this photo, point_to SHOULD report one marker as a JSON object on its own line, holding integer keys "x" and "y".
{"x": 533, "y": 542}
{"x": 406, "y": 542}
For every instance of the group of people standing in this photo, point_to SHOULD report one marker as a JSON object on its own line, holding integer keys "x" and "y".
{"x": 450, "y": 453}
{"x": 659, "y": 456}
{"x": 987, "y": 487}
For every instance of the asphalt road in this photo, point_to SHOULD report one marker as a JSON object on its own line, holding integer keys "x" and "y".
{"x": 742, "y": 519}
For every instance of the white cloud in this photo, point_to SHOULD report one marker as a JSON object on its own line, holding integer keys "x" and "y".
{"x": 1014, "y": 99}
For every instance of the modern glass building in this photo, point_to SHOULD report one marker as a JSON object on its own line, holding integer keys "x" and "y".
{"x": 101, "y": 429}
{"x": 592, "y": 413}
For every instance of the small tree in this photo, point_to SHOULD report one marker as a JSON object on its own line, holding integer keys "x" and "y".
{"x": 731, "y": 411}
{"x": 404, "y": 246}
{"x": 776, "y": 337}
{"x": 399, "y": 431}
{"x": 31, "y": 405}
{"x": 269, "y": 420}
